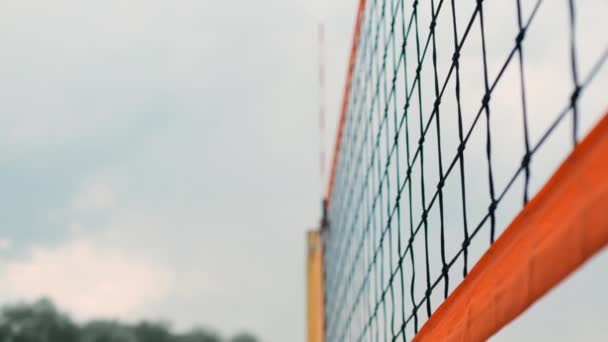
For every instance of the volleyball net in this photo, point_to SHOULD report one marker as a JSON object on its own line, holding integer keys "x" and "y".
{"x": 470, "y": 170}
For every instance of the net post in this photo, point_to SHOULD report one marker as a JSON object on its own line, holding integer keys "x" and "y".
{"x": 316, "y": 279}
{"x": 315, "y": 300}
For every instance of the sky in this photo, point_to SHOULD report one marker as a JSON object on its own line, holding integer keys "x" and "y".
{"x": 159, "y": 159}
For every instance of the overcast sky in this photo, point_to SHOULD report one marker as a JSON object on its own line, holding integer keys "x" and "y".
{"x": 159, "y": 159}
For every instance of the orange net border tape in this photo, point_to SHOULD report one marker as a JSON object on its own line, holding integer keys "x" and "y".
{"x": 564, "y": 225}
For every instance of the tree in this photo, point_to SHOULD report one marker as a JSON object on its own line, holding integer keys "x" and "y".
{"x": 38, "y": 322}
{"x": 198, "y": 335}
{"x": 243, "y": 337}
{"x": 107, "y": 331}
{"x": 153, "y": 332}
{"x": 42, "y": 322}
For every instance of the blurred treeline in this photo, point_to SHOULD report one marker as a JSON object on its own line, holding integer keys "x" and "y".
{"x": 42, "y": 322}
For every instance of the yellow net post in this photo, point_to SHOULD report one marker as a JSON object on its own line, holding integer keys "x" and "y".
{"x": 315, "y": 287}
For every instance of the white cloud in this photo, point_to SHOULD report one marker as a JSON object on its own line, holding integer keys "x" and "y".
{"x": 97, "y": 195}
{"x": 5, "y": 244}
{"x": 87, "y": 280}
{"x": 88, "y": 274}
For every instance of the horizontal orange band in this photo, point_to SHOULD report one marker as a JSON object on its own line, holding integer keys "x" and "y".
{"x": 559, "y": 229}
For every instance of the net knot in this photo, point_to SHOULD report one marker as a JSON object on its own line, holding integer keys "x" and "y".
{"x": 485, "y": 100}
{"x": 433, "y": 24}
{"x": 425, "y": 215}
{"x": 466, "y": 243}
{"x": 440, "y": 184}
{"x": 520, "y": 37}
{"x": 436, "y": 104}
{"x": 575, "y": 94}
{"x": 456, "y": 57}
{"x": 460, "y": 148}
{"x": 492, "y": 206}
{"x": 445, "y": 270}
{"x": 421, "y": 140}
{"x": 525, "y": 160}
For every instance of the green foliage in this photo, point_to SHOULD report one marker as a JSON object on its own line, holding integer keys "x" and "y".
{"x": 107, "y": 331}
{"x": 243, "y": 337}
{"x": 38, "y": 322}
{"x": 42, "y": 322}
{"x": 199, "y": 335}
{"x": 152, "y": 332}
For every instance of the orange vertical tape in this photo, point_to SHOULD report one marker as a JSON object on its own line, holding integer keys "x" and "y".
{"x": 345, "y": 96}
{"x": 561, "y": 227}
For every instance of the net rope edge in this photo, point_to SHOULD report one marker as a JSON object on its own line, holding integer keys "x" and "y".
{"x": 346, "y": 95}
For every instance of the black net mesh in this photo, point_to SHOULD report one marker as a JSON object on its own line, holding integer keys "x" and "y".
{"x": 458, "y": 112}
